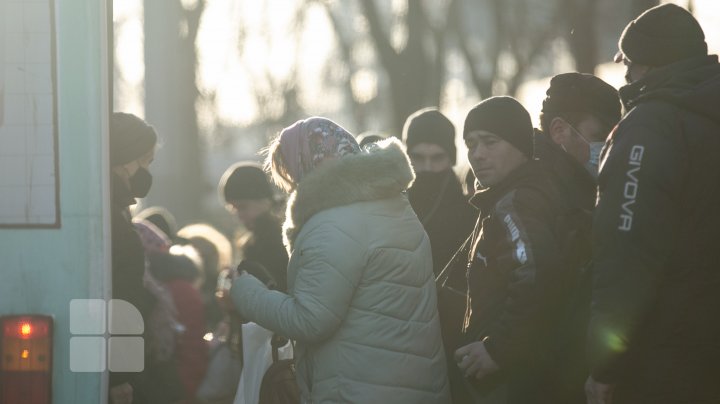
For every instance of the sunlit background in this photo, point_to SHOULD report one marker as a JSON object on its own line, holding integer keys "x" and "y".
{"x": 218, "y": 78}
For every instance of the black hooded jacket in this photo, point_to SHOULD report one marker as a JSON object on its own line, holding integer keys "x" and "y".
{"x": 655, "y": 325}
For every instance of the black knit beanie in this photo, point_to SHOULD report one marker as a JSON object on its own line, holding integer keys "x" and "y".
{"x": 244, "y": 180}
{"x": 130, "y": 138}
{"x": 662, "y": 35}
{"x": 430, "y": 126}
{"x": 504, "y": 117}
{"x": 581, "y": 93}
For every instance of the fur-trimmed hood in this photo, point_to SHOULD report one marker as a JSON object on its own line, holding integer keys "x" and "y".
{"x": 384, "y": 171}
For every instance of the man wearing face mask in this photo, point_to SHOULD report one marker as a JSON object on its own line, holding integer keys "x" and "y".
{"x": 436, "y": 195}
{"x": 654, "y": 331}
{"x": 578, "y": 113}
{"x": 132, "y": 149}
{"x": 438, "y": 200}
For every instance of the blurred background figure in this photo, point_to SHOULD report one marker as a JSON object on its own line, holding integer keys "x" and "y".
{"x": 162, "y": 381}
{"x": 247, "y": 192}
{"x": 180, "y": 272}
{"x": 216, "y": 253}
{"x": 161, "y": 218}
{"x": 369, "y": 137}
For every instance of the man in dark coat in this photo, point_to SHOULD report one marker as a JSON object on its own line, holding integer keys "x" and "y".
{"x": 577, "y": 115}
{"x": 132, "y": 149}
{"x": 518, "y": 284}
{"x": 654, "y": 332}
{"x": 436, "y": 195}
{"x": 246, "y": 189}
{"x": 437, "y": 198}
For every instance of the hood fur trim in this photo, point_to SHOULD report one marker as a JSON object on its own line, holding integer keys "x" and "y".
{"x": 382, "y": 172}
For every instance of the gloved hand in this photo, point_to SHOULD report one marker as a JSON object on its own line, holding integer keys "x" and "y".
{"x": 257, "y": 270}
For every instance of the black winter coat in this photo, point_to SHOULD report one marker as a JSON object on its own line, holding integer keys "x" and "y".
{"x": 265, "y": 247}
{"x": 448, "y": 219}
{"x": 520, "y": 285}
{"x": 577, "y": 186}
{"x": 444, "y": 211}
{"x": 655, "y": 326}
{"x": 128, "y": 268}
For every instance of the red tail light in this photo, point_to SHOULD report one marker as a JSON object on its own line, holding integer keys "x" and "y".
{"x": 25, "y": 359}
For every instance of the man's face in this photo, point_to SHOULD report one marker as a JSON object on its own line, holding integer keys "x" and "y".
{"x": 429, "y": 157}
{"x": 576, "y": 139}
{"x": 492, "y": 159}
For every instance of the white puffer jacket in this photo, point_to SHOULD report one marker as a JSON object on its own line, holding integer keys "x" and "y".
{"x": 362, "y": 303}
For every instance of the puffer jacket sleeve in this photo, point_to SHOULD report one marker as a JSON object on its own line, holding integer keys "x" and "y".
{"x": 524, "y": 221}
{"x": 327, "y": 269}
{"x": 635, "y": 227}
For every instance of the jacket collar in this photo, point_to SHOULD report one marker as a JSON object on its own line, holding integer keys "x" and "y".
{"x": 383, "y": 171}
{"x": 486, "y": 198}
{"x": 572, "y": 176}
{"x": 658, "y": 78}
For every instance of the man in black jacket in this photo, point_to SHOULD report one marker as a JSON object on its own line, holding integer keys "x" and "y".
{"x": 437, "y": 198}
{"x": 654, "y": 335}
{"x": 518, "y": 285}
{"x": 436, "y": 194}
{"x": 577, "y": 115}
{"x": 246, "y": 189}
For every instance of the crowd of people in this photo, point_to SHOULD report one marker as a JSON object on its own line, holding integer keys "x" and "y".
{"x": 578, "y": 267}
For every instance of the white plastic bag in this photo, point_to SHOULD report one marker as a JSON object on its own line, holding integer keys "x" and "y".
{"x": 257, "y": 355}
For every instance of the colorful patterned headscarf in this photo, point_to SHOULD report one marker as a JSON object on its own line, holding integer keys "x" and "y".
{"x": 308, "y": 142}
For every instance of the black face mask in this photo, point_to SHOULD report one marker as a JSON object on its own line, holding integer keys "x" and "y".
{"x": 140, "y": 183}
{"x": 427, "y": 189}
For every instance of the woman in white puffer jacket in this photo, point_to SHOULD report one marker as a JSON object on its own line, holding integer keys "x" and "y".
{"x": 361, "y": 300}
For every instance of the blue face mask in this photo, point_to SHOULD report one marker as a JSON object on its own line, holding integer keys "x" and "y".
{"x": 593, "y": 163}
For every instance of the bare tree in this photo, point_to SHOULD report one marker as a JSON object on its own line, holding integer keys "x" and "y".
{"x": 582, "y": 35}
{"x": 171, "y": 96}
{"x": 499, "y": 41}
